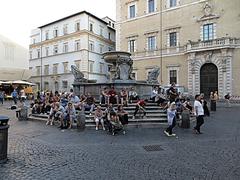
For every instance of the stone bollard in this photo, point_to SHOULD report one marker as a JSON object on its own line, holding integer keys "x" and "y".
{"x": 81, "y": 120}
{"x": 3, "y": 138}
{"x": 185, "y": 119}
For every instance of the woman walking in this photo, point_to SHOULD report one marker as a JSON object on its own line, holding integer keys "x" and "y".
{"x": 171, "y": 115}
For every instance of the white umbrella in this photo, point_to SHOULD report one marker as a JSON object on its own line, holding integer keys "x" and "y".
{"x": 22, "y": 82}
{"x": 6, "y": 82}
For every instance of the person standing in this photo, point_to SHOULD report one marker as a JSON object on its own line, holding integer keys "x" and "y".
{"x": 172, "y": 92}
{"x": 227, "y": 98}
{"x": 199, "y": 113}
{"x": 171, "y": 115}
{"x": 1, "y": 97}
{"x": 205, "y": 107}
{"x": 15, "y": 96}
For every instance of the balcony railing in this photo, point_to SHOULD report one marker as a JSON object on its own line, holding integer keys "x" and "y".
{"x": 216, "y": 44}
{"x": 189, "y": 47}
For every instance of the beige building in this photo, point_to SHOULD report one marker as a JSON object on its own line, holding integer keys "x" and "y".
{"x": 196, "y": 43}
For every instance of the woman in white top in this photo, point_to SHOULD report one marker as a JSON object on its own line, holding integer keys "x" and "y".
{"x": 98, "y": 116}
{"x": 199, "y": 113}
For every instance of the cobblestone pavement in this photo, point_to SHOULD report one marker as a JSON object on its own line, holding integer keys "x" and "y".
{"x": 44, "y": 152}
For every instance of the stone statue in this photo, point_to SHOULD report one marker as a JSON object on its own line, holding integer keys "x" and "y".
{"x": 78, "y": 75}
{"x": 123, "y": 68}
{"x": 153, "y": 76}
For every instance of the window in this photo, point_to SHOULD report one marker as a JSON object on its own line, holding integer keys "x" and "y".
{"x": 46, "y": 35}
{"x": 77, "y": 26}
{"x": 64, "y": 84}
{"x": 78, "y": 63}
{"x": 151, "y": 43}
{"x": 55, "y": 49}
{"x": 131, "y": 45}
{"x": 101, "y": 68}
{"x": 77, "y": 45}
{"x": 38, "y": 70}
{"x": 65, "y": 67}
{"x": 91, "y": 67}
{"x": 208, "y": 32}
{"x": 109, "y": 23}
{"x": 151, "y": 6}
{"x": 55, "y": 68}
{"x": 132, "y": 11}
{"x": 173, "y": 76}
{"x": 47, "y": 51}
{"x": 46, "y": 86}
{"x": 101, "y": 48}
{"x": 91, "y": 27}
{"x": 173, "y": 39}
{"x": 55, "y": 33}
{"x": 30, "y": 54}
{"x": 65, "y": 29}
{"x": 109, "y": 36}
{"x": 65, "y": 47}
{"x": 113, "y": 25}
{"x": 91, "y": 46}
{"x": 38, "y": 53}
{"x": 173, "y": 3}
{"x": 101, "y": 31}
{"x": 46, "y": 70}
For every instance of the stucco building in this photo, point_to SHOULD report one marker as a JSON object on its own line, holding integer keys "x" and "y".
{"x": 196, "y": 43}
{"x": 79, "y": 40}
{"x": 13, "y": 61}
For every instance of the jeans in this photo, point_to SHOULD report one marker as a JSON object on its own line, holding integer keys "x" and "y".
{"x": 88, "y": 107}
{"x": 200, "y": 122}
{"x": 137, "y": 109}
{"x": 170, "y": 128}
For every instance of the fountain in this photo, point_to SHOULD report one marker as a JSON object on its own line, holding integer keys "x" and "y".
{"x": 120, "y": 76}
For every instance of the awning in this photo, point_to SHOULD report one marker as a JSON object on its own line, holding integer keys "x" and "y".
{"x": 13, "y": 74}
{"x": 23, "y": 82}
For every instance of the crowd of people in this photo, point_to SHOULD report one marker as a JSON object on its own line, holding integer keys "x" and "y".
{"x": 63, "y": 107}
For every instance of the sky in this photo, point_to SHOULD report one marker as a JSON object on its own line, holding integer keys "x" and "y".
{"x": 19, "y": 17}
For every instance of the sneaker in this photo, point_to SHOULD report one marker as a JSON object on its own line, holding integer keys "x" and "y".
{"x": 90, "y": 114}
{"x": 96, "y": 128}
{"x": 51, "y": 124}
{"x": 172, "y": 134}
{"x": 104, "y": 129}
{"x": 166, "y": 133}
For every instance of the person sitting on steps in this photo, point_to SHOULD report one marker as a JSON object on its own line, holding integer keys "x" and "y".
{"x": 140, "y": 106}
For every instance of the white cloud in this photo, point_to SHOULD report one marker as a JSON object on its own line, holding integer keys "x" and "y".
{"x": 19, "y": 17}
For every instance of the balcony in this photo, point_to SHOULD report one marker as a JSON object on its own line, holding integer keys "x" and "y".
{"x": 212, "y": 44}
{"x": 158, "y": 53}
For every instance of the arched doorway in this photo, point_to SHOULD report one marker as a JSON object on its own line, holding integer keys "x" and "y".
{"x": 208, "y": 79}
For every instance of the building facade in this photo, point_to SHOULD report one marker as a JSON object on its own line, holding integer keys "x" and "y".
{"x": 13, "y": 61}
{"x": 196, "y": 43}
{"x": 78, "y": 40}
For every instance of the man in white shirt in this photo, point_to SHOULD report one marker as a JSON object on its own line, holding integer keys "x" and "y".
{"x": 199, "y": 113}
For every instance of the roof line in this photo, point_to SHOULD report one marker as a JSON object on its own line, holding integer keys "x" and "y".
{"x": 76, "y": 14}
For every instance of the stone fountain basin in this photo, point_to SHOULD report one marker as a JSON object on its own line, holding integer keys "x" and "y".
{"x": 112, "y": 56}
